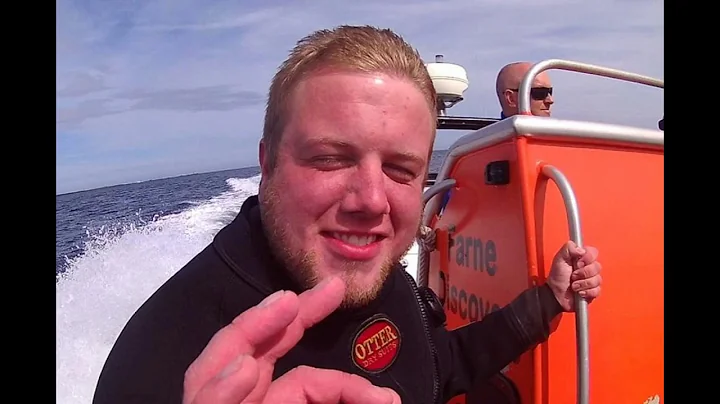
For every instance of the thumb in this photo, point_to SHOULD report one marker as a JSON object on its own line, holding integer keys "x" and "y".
{"x": 570, "y": 252}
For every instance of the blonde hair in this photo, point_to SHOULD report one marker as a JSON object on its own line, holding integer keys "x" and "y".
{"x": 356, "y": 48}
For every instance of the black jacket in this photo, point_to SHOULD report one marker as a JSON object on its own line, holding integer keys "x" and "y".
{"x": 395, "y": 342}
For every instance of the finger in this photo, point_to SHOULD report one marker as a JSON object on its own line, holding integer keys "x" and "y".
{"x": 232, "y": 385}
{"x": 247, "y": 331}
{"x": 588, "y": 271}
{"x": 269, "y": 317}
{"x": 590, "y": 294}
{"x": 324, "y": 386}
{"x": 583, "y": 256}
{"x": 314, "y": 305}
{"x": 586, "y": 284}
{"x": 319, "y": 302}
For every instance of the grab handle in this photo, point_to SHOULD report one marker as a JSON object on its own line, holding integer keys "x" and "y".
{"x": 437, "y": 188}
{"x": 423, "y": 263}
{"x": 537, "y": 68}
{"x": 581, "y": 313}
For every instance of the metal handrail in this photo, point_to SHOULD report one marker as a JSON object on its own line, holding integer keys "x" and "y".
{"x": 422, "y": 268}
{"x": 581, "y": 313}
{"x": 537, "y": 68}
{"x": 437, "y": 188}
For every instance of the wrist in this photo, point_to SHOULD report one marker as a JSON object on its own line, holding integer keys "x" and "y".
{"x": 549, "y": 302}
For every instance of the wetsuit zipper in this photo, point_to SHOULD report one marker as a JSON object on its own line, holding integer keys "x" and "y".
{"x": 428, "y": 336}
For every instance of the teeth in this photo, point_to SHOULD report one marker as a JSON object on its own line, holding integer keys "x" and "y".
{"x": 355, "y": 240}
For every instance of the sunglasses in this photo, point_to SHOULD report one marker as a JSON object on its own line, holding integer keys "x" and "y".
{"x": 538, "y": 93}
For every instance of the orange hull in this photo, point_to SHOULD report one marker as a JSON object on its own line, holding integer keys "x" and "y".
{"x": 496, "y": 240}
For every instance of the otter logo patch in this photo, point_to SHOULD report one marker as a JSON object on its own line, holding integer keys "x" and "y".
{"x": 376, "y": 345}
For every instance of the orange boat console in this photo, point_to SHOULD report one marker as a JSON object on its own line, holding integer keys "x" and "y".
{"x": 507, "y": 197}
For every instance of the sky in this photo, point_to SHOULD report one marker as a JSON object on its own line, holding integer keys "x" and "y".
{"x": 157, "y": 88}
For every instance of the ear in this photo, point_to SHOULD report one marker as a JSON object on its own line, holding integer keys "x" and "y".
{"x": 511, "y": 98}
{"x": 261, "y": 158}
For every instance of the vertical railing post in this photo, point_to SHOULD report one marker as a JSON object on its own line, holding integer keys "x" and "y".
{"x": 581, "y": 313}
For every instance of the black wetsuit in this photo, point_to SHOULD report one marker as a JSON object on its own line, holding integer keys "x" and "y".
{"x": 406, "y": 349}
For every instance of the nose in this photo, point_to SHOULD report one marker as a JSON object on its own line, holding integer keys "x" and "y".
{"x": 549, "y": 100}
{"x": 366, "y": 195}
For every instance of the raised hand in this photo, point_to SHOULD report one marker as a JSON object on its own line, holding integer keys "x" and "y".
{"x": 237, "y": 364}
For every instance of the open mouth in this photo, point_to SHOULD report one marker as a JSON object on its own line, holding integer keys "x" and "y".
{"x": 355, "y": 239}
{"x": 354, "y": 246}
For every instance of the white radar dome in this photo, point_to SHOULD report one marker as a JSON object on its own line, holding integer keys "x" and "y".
{"x": 450, "y": 80}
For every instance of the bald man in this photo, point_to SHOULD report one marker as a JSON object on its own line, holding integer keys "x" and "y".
{"x": 508, "y": 83}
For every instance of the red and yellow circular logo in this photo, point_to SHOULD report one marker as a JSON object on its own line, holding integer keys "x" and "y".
{"x": 376, "y": 345}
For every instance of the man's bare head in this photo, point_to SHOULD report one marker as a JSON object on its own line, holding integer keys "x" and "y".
{"x": 508, "y": 83}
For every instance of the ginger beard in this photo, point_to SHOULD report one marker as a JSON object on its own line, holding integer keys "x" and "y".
{"x": 302, "y": 265}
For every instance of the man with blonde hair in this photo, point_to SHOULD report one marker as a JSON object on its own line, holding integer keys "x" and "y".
{"x": 301, "y": 298}
{"x": 507, "y": 88}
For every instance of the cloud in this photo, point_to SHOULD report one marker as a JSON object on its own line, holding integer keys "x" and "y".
{"x": 81, "y": 83}
{"x": 168, "y": 87}
{"x": 208, "y": 98}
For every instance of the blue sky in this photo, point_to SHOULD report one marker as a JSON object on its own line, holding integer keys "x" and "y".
{"x": 156, "y": 88}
